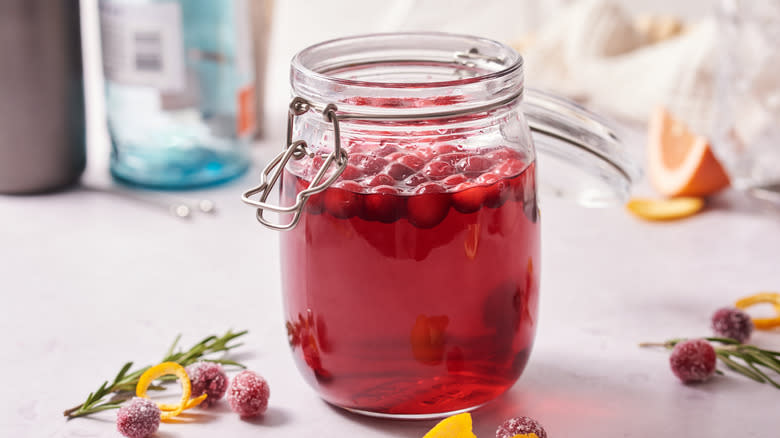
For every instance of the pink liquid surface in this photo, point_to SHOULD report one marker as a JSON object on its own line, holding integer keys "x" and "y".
{"x": 413, "y": 289}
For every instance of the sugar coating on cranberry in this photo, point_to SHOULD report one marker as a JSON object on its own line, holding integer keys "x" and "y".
{"x": 693, "y": 360}
{"x": 732, "y": 323}
{"x": 248, "y": 394}
{"x": 520, "y": 426}
{"x": 208, "y": 378}
{"x": 138, "y": 418}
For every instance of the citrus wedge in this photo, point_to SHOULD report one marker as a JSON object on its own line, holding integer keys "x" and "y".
{"x": 681, "y": 163}
{"x": 456, "y": 426}
{"x": 665, "y": 209}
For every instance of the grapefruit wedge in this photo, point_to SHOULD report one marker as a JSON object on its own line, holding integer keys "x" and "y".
{"x": 681, "y": 163}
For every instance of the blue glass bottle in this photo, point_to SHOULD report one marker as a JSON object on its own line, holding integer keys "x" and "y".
{"x": 180, "y": 98}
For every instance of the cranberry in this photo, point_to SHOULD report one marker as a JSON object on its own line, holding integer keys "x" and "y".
{"x": 248, "y": 394}
{"x": 343, "y": 201}
{"x": 520, "y": 426}
{"x": 510, "y": 168}
{"x": 693, "y": 360}
{"x": 446, "y": 149}
{"x": 208, "y": 378}
{"x": 350, "y": 173}
{"x": 437, "y": 170}
{"x": 398, "y": 171}
{"x": 383, "y": 204}
{"x": 732, "y": 323}
{"x": 468, "y": 198}
{"x": 452, "y": 158}
{"x": 367, "y": 164}
{"x": 416, "y": 179}
{"x": 412, "y": 161}
{"x": 497, "y": 191}
{"x": 314, "y": 204}
{"x": 473, "y": 165}
{"x": 385, "y": 149}
{"x": 380, "y": 179}
{"x": 138, "y": 418}
{"x": 454, "y": 180}
{"x": 428, "y": 206}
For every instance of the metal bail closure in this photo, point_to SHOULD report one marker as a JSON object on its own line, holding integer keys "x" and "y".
{"x": 297, "y": 150}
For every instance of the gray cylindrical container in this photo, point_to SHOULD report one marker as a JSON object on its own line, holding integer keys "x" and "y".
{"x": 42, "y": 121}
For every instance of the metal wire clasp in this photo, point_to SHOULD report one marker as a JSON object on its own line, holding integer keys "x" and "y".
{"x": 297, "y": 150}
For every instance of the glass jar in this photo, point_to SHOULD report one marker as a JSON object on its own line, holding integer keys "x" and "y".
{"x": 410, "y": 256}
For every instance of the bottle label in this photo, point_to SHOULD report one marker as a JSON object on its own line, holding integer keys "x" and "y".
{"x": 142, "y": 44}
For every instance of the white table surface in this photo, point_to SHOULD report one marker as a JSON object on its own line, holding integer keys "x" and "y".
{"x": 89, "y": 280}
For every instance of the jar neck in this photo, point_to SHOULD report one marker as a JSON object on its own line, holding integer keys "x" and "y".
{"x": 409, "y": 76}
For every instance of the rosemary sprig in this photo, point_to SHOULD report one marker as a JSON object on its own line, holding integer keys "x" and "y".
{"x": 122, "y": 387}
{"x": 755, "y": 363}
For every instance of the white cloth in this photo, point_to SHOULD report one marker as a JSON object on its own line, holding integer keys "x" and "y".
{"x": 593, "y": 51}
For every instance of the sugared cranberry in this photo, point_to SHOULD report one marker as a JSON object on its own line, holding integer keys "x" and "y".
{"x": 383, "y": 204}
{"x": 732, "y": 323}
{"x": 468, "y": 198}
{"x": 473, "y": 165}
{"x": 520, "y": 426}
{"x": 693, "y": 360}
{"x": 343, "y": 200}
{"x": 208, "y": 378}
{"x": 248, "y": 394}
{"x": 437, "y": 170}
{"x": 428, "y": 206}
{"x": 138, "y": 418}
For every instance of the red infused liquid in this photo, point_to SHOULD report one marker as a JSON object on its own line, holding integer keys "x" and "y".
{"x": 411, "y": 284}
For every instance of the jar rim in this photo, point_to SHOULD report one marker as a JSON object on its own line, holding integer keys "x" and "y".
{"x": 408, "y": 74}
{"x": 511, "y": 61}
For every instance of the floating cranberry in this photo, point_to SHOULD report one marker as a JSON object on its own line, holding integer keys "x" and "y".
{"x": 429, "y": 206}
{"x": 468, "y": 198}
{"x": 473, "y": 165}
{"x": 412, "y": 161}
{"x": 380, "y": 179}
{"x": 437, "y": 170}
{"x": 454, "y": 180}
{"x": 343, "y": 201}
{"x": 399, "y": 171}
{"x": 350, "y": 173}
{"x": 367, "y": 164}
{"x": 497, "y": 190}
{"x": 383, "y": 204}
{"x": 416, "y": 179}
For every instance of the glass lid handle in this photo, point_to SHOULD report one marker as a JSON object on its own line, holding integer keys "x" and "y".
{"x": 581, "y": 156}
